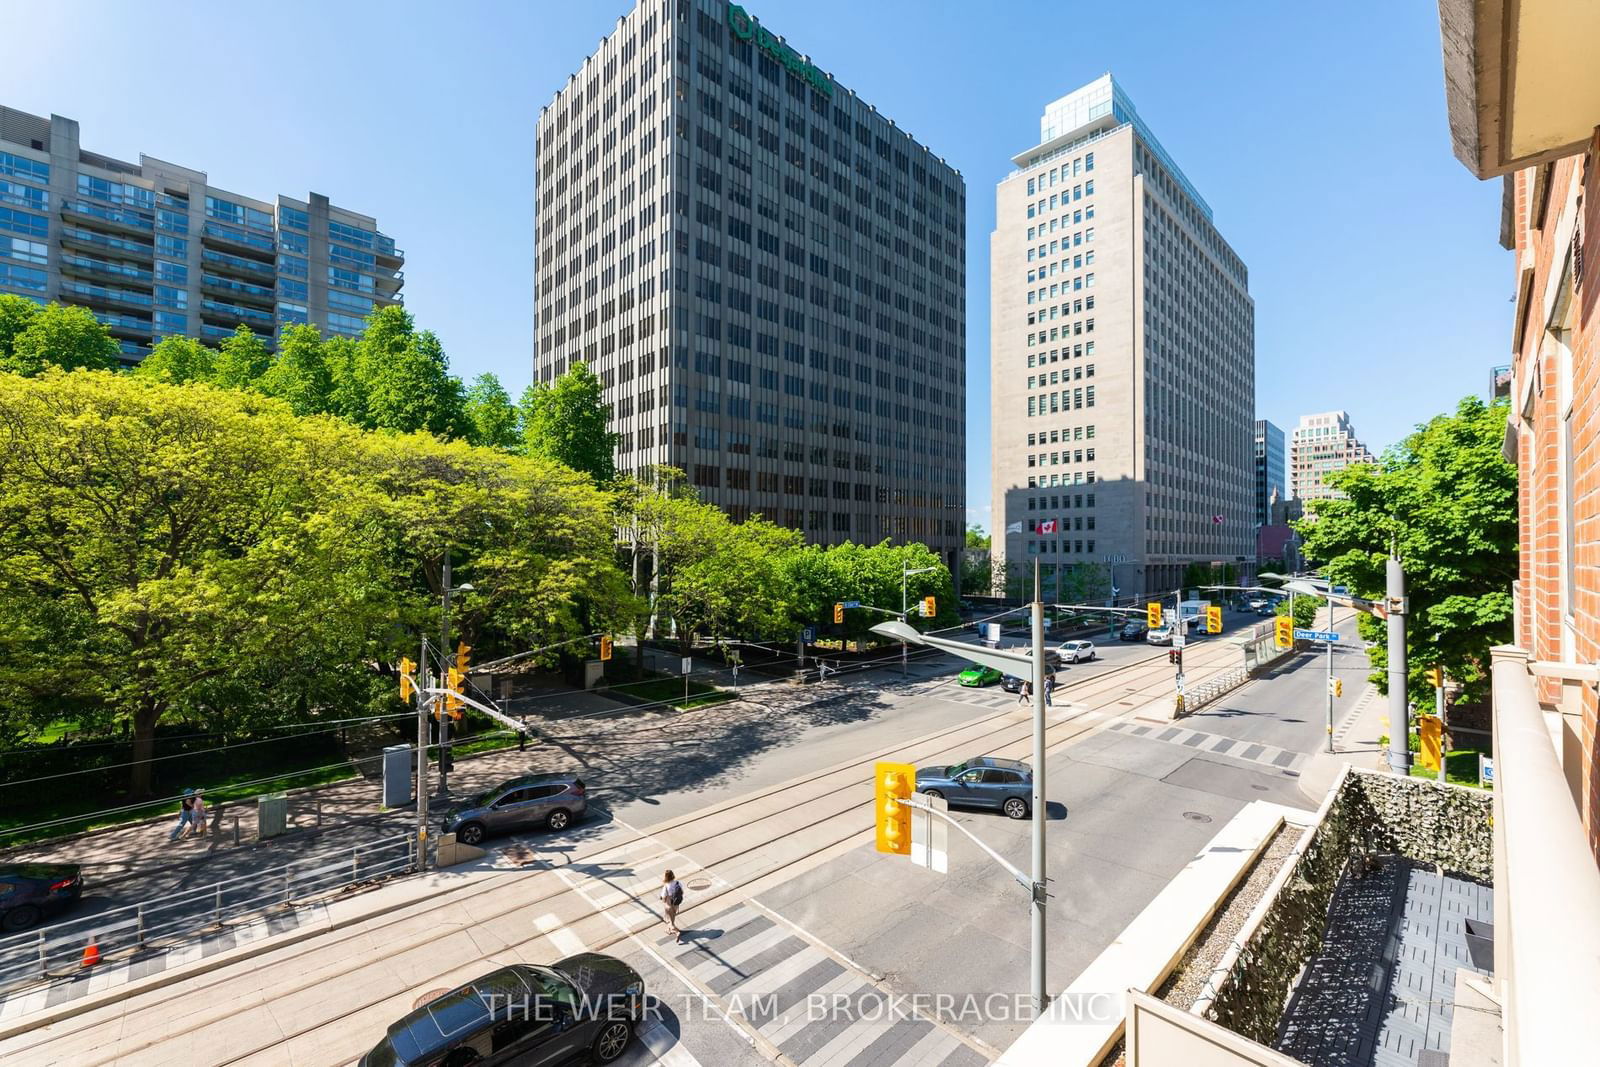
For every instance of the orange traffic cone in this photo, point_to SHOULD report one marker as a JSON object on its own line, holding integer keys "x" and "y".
{"x": 91, "y": 952}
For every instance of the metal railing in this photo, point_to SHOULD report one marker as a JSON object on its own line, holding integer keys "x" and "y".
{"x": 1212, "y": 688}
{"x": 1546, "y": 885}
{"x": 58, "y": 949}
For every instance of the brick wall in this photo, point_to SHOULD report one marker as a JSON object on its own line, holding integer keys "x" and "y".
{"x": 1544, "y": 241}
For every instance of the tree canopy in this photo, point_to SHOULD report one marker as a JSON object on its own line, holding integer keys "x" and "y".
{"x": 1446, "y": 499}
{"x": 55, "y": 335}
{"x": 567, "y": 421}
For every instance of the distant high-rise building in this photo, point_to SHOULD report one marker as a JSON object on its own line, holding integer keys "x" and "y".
{"x": 152, "y": 249}
{"x": 767, "y": 274}
{"x": 1271, "y": 475}
{"x": 1322, "y": 444}
{"x": 1122, "y": 358}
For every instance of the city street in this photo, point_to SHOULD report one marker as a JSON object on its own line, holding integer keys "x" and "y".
{"x": 767, "y": 817}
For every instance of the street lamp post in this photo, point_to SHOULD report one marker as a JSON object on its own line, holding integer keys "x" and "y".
{"x": 444, "y": 664}
{"x": 906, "y": 572}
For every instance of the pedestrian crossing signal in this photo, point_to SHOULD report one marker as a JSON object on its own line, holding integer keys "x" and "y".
{"x": 1283, "y": 632}
{"x": 605, "y": 646}
{"x": 838, "y": 613}
{"x": 1213, "y": 620}
{"x": 895, "y": 782}
{"x": 1152, "y": 615}
{"x": 1436, "y": 677}
{"x": 928, "y": 608}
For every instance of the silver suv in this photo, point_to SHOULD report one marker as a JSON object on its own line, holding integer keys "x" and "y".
{"x": 551, "y": 800}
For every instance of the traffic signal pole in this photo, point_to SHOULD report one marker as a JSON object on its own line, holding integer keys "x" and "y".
{"x": 1041, "y": 998}
{"x": 1332, "y": 629}
{"x": 444, "y": 663}
{"x": 422, "y": 756}
{"x": 1399, "y": 711}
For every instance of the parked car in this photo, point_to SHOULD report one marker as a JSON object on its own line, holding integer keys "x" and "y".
{"x": 1011, "y": 683}
{"x": 978, "y": 676}
{"x": 1267, "y": 609}
{"x": 1132, "y": 631}
{"x": 1077, "y": 651}
{"x": 31, "y": 891}
{"x": 551, "y": 800}
{"x": 1161, "y": 636}
{"x": 587, "y": 1003}
{"x": 984, "y": 782}
{"x": 1052, "y": 658}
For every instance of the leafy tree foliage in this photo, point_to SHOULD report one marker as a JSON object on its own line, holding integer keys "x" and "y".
{"x": 1446, "y": 499}
{"x": 299, "y": 374}
{"x": 33, "y": 338}
{"x": 566, "y": 421}
{"x": 176, "y": 360}
{"x": 492, "y": 418}
{"x": 242, "y": 360}
{"x": 407, "y": 379}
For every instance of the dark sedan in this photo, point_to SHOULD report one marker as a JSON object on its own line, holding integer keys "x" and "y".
{"x": 1133, "y": 631}
{"x": 587, "y": 1003}
{"x": 30, "y": 891}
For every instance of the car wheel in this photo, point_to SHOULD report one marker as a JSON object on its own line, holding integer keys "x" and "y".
{"x": 1016, "y": 808}
{"x": 934, "y": 793}
{"x": 559, "y": 819}
{"x": 20, "y": 918}
{"x": 461, "y": 1057}
{"x": 611, "y": 1040}
{"x": 469, "y": 833}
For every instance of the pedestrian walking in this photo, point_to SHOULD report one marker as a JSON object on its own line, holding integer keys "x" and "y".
{"x": 1049, "y": 687}
{"x": 1025, "y": 694}
{"x": 671, "y": 900}
{"x": 197, "y": 814}
{"x": 185, "y": 813}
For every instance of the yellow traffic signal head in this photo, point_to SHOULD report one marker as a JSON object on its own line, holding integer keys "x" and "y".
{"x": 605, "y": 646}
{"x": 408, "y": 678}
{"x": 1338, "y": 687}
{"x": 928, "y": 607}
{"x": 463, "y": 655}
{"x": 455, "y": 678}
{"x": 1436, "y": 677}
{"x": 894, "y": 782}
{"x": 1152, "y": 615}
{"x": 1213, "y": 620}
{"x": 838, "y": 613}
{"x": 1283, "y": 632}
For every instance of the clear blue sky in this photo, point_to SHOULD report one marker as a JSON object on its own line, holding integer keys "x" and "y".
{"x": 1317, "y": 134}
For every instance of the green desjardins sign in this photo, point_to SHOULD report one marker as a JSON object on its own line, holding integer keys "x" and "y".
{"x": 748, "y": 29}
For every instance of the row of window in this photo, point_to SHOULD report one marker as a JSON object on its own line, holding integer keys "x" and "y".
{"x": 1065, "y": 352}
{"x": 15, "y": 166}
{"x": 1055, "y": 459}
{"x": 1060, "y": 333}
{"x": 1082, "y": 165}
{"x": 1052, "y": 548}
{"x": 1057, "y": 377}
{"x": 23, "y": 222}
{"x": 1077, "y": 217}
{"x": 1049, "y": 481}
{"x": 1066, "y": 501}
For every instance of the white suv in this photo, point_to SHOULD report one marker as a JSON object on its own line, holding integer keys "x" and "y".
{"x": 1077, "y": 651}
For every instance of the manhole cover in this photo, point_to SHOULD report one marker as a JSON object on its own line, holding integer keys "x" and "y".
{"x": 1196, "y": 816}
{"x": 699, "y": 885}
{"x": 430, "y": 995}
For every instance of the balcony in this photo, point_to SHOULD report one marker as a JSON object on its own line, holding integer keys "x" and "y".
{"x": 103, "y": 217}
{"x": 252, "y": 268}
{"x": 236, "y": 315}
{"x": 124, "y": 325}
{"x": 226, "y": 287}
{"x": 89, "y": 241}
{"x": 208, "y": 332}
{"x": 385, "y": 250}
{"x": 101, "y": 296}
{"x": 99, "y": 268}
{"x": 218, "y": 233}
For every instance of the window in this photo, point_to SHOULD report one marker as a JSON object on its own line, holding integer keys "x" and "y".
{"x": 21, "y": 167}
{"x": 293, "y": 218}
{"x": 27, "y": 251}
{"x": 24, "y": 223}
{"x": 18, "y": 277}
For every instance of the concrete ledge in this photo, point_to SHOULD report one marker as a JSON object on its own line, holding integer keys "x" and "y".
{"x": 1086, "y": 1019}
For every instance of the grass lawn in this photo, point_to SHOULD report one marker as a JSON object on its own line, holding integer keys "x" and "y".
{"x": 670, "y": 690}
{"x": 1461, "y": 768}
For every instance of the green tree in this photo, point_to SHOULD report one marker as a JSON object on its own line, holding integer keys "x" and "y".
{"x": 189, "y": 541}
{"x": 1304, "y": 607}
{"x": 175, "y": 360}
{"x": 407, "y": 378}
{"x": 299, "y": 374}
{"x": 242, "y": 360}
{"x": 566, "y": 421}
{"x": 56, "y": 336}
{"x": 491, "y": 417}
{"x": 16, "y": 312}
{"x": 1446, "y": 499}
{"x": 348, "y": 388}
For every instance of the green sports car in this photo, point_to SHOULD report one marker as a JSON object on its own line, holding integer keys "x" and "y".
{"x": 978, "y": 676}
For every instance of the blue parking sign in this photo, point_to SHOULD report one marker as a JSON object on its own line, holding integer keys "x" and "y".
{"x": 809, "y": 634}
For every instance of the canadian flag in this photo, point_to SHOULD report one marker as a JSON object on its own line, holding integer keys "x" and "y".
{"x": 1047, "y": 526}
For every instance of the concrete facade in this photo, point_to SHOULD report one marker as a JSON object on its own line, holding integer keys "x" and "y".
{"x": 154, "y": 250}
{"x": 1122, "y": 360}
{"x": 1323, "y": 444}
{"x": 768, "y": 276}
{"x": 1271, "y": 475}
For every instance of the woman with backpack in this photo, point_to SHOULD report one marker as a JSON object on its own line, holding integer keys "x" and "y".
{"x": 671, "y": 899}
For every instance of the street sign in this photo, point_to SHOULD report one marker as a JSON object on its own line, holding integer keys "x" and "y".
{"x": 688, "y": 664}
{"x": 851, "y": 603}
{"x": 1485, "y": 769}
{"x": 809, "y": 634}
{"x": 1316, "y": 635}
{"x": 1177, "y": 639}
{"x": 930, "y": 836}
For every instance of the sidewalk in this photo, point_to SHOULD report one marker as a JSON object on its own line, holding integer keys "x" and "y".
{"x": 1355, "y": 737}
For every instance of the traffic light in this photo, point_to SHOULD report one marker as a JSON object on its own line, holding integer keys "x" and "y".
{"x": 928, "y": 607}
{"x": 1436, "y": 677}
{"x": 463, "y": 656}
{"x": 605, "y": 646}
{"x": 1175, "y": 657}
{"x": 895, "y": 782}
{"x": 1283, "y": 632}
{"x": 1336, "y": 686}
{"x": 1152, "y": 615}
{"x": 455, "y": 678}
{"x": 408, "y": 678}
{"x": 1213, "y": 620}
{"x": 838, "y": 613}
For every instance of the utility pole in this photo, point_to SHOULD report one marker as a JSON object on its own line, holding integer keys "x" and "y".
{"x": 422, "y": 756}
{"x": 1330, "y": 667}
{"x": 1399, "y": 713}
{"x": 1041, "y": 996}
{"x": 444, "y": 664}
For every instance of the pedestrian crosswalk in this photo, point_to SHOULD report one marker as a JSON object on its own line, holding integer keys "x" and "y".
{"x": 1214, "y": 744}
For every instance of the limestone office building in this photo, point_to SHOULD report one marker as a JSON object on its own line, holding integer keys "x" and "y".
{"x": 768, "y": 276}
{"x": 1122, "y": 352}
